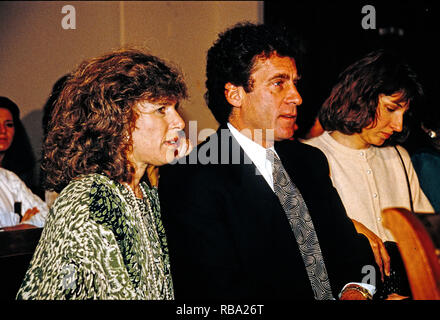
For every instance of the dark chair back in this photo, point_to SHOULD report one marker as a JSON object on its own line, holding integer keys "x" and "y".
{"x": 16, "y": 250}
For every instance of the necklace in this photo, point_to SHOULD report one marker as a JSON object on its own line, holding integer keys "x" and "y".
{"x": 140, "y": 221}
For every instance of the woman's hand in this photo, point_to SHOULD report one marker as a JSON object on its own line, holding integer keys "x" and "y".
{"x": 380, "y": 253}
{"x": 29, "y": 214}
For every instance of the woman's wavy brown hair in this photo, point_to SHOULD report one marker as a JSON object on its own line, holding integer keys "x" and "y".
{"x": 90, "y": 127}
{"x": 352, "y": 104}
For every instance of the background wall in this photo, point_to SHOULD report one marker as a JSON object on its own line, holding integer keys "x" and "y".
{"x": 36, "y": 51}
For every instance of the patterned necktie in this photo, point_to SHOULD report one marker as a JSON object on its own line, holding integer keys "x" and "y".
{"x": 301, "y": 223}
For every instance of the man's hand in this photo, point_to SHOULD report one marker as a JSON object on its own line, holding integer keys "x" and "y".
{"x": 380, "y": 253}
{"x": 395, "y": 296}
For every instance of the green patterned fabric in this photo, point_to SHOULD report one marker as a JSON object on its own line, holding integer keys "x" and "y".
{"x": 92, "y": 246}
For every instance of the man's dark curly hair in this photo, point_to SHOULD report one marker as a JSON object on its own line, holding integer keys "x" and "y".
{"x": 233, "y": 56}
{"x": 92, "y": 120}
{"x": 353, "y": 101}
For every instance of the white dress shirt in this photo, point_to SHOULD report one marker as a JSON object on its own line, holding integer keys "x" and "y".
{"x": 13, "y": 189}
{"x": 256, "y": 153}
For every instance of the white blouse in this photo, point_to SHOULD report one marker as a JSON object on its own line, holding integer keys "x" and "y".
{"x": 370, "y": 180}
{"x": 13, "y": 189}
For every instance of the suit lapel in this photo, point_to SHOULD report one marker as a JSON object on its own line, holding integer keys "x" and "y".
{"x": 295, "y": 165}
{"x": 246, "y": 176}
{"x": 258, "y": 207}
{"x": 258, "y": 223}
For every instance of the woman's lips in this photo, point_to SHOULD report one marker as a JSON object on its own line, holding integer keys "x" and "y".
{"x": 174, "y": 142}
{"x": 386, "y": 135}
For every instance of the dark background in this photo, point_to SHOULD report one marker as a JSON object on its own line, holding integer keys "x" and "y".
{"x": 334, "y": 38}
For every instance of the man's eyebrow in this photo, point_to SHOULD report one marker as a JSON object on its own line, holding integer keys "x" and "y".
{"x": 283, "y": 76}
{"x": 279, "y": 76}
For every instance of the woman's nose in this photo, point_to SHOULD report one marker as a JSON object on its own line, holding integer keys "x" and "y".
{"x": 397, "y": 124}
{"x": 177, "y": 121}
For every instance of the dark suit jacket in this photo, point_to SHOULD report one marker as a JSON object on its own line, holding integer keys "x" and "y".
{"x": 229, "y": 237}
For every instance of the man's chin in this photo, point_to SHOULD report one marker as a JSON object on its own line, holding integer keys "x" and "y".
{"x": 286, "y": 135}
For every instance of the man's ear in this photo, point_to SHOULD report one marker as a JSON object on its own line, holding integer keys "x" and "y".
{"x": 234, "y": 94}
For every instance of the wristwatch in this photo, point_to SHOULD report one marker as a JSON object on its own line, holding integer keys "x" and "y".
{"x": 355, "y": 287}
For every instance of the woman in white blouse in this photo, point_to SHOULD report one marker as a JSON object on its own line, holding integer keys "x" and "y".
{"x": 15, "y": 195}
{"x": 18, "y": 204}
{"x": 361, "y": 117}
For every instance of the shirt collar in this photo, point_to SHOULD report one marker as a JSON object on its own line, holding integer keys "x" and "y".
{"x": 256, "y": 153}
{"x": 254, "y": 150}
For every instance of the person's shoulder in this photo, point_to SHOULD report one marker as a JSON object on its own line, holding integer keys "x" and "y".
{"x": 395, "y": 153}
{"x": 303, "y": 158}
{"x": 12, "y": 182}
{"x": 81, "y": 189}
{"x": 198, "y": 171}
{"x": 402, "y": 151}
{"x": 300, "y": 150}
{"x": 391, "y": 150}
{"x": 315, "y": 141}
{"x": 85, "y": 182}
{"x": 191, "y": 175}
{"x": 70, "y": 210}
{"x": 8, "y": 175}
{"x": 311, "y": 149}
{"x": 79, "y": 200}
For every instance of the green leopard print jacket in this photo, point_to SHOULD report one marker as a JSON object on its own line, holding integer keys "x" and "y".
{"x": 93, "y": 248}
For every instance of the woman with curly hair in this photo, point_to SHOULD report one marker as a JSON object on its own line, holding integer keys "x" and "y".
{"x": 363, "y": 119}
{"x": 114, "y": 119}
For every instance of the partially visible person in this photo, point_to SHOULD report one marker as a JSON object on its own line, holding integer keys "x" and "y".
{"x": 18, "y": 203}
{"x": 423, "y": 145}
{"x": 16, "y": 152}
{"x": 50, "y": 196}
{"x": 115, "y": 117}
{"x": 365, "y": 111}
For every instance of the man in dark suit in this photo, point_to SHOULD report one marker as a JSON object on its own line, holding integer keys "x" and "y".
{"x": 229, "y": 231}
